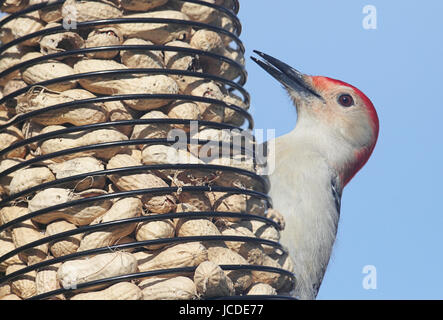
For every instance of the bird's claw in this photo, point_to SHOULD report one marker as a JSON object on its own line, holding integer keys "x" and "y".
{"x": 277, "y": 217}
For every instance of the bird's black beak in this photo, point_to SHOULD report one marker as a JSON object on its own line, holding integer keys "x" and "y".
{"x": 285, "y": 74}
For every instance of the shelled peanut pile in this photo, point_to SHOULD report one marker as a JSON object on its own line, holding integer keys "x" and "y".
{"x": 208, "y": 279}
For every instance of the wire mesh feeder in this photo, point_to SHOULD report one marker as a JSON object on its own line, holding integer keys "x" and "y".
{"x": 86, "y": 123}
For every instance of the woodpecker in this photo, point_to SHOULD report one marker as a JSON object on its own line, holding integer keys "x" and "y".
{"x": 335, "y": 133}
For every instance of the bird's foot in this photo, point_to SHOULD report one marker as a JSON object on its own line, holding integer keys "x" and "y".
{"x": 277, "y": 217}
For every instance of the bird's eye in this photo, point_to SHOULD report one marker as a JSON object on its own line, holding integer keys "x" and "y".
{"x": 346, "y": 100}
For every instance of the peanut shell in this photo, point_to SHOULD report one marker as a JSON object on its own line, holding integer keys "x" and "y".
{"x": 5, "y": 290}
{"x": 154, "y": 130}
{"x": 22, "y": 286}
{"x": 121, "y": 209}
{"x": 9, "y": 58}
{"x": 198, "y": 12}
{"x": 83, "y": 11}
{"x": 12, "y": 6}
{"x": 152, "y": 230}
{"x": 8, "y": 137}
{"x": 78, "y": 166}
{"x": 48, "y": 15}
{"x": 182, "y": 61}
{"x": 143, "y": 58}
{"x": 158, "y": 33}
{"x": 11, "y": 297}
{"x": 209, "y": 111}
{"x": 220, "y": 254}
{"x": 74, "y": 272}
{"x": 24, "y": 25}
{"x": 5, "y": 181}
{"x": 178, "y": 288}
{"x": 64, "y": 246}
{"x": 30, "y": 177}
{"x": 211, "y": 281}
{"x": 119, "y": 291}
{"x": 72, "y": 140}
{"x": 46, "y": 281}
{"x": 107, "y": 36}
{"x": 60, "y": 42}
{"x": 180, "y": 255}
{"x": 48, "y": 70}
{"x": 117, "y": 111}
{"x": 262, "y": 289}
{"x": 154, "y": 203}
{"x": 23, "y": 233}
{"x": 6, "y": 246}
{"x": 79, "y": 215}
{"x": 141, "y": 5}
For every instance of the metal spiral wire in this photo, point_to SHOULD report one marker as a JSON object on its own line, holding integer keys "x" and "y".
{"x": 259, "y": 185}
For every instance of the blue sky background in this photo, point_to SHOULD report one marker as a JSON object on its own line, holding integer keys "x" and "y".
{"x": 392, "y": 212}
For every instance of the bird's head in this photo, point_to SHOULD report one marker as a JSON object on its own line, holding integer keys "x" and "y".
{"x": 340, "y": 118}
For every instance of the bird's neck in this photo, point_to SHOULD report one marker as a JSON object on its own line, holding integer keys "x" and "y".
{"x": 340, "y": 154}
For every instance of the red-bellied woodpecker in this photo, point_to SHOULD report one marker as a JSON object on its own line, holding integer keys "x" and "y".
{"x": 335, "y": 134}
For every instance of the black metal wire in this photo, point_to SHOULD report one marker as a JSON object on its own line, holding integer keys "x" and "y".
{"x": 102, "y": 73}
{"x": 153, "y": 273}
{"x": 191, "y": 51}
{"x": 131, "y": 245}
{"x": 157, "y": 217}
{"x": 54, "y": 134}
{"x": 141, "y": 244}
{"x": 258, "y": 186}
{"x": 104, "y": 145}
{"x": 106, "y": 22}
{"x": 23, "y": 117}
{"x": 150, "y": 191}
{"x": 129, "y": 170}
{"x": 47, "y": 5}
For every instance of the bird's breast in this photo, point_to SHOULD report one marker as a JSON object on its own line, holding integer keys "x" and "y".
{"x": 302, "y": 190}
